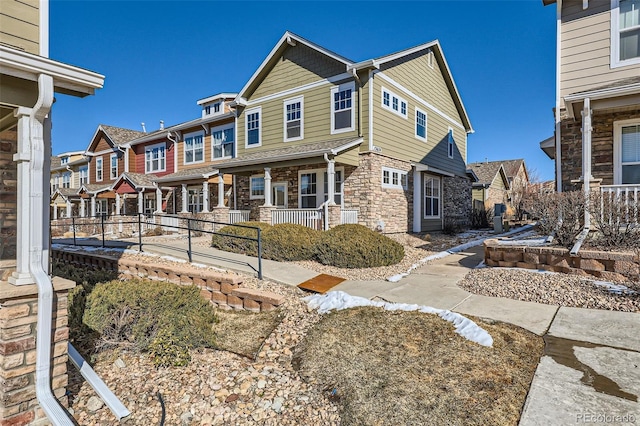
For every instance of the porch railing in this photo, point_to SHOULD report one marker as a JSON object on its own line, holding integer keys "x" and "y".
{"x": 348, "y": 216}
{"x": 236, "y": 216}
{"x": 620, "y": 204}
{"x": 311, "y": 218}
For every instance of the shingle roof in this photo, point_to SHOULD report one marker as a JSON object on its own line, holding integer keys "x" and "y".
{"x": 618, "y": 83}
{"x": 121, "y": 136}
{"x": 56, "y": 162}
{"x": 67, "y": 192}
{"x": 297, "y": 151}
{"x": 140, "y": 179}
{"x": 511, "y": 167}
{"x": 96, "y": 187}
{"x": 189, "y": 173}
{"x": 486, "y": 171}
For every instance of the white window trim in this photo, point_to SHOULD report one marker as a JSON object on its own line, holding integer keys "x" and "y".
{"x": 66, "y": 180}
{"x": 255, "y": 197}
{"x": 615, "y": 61}
{"x": 184, "y": 148}
{"x": 617, "y": 147}
{"x": 223, "y": 128}
{"x": 339, "y": 88}
{"x": 415, "y": 126}
{"x": 86, "y": 176}
{"x": 390, "y": 107}
{"x": 111, "y": 176}
{"x": 391, "y": 171}
{"x": 246, "y": 125}
{"x": 99, "y": 168}
{"x": 151, "y": 147}
{"x": 284, "y": 115}
{"x": 451, "y": 142}
{"x": 424, "y": 192}
{"x": 320, "y": 184}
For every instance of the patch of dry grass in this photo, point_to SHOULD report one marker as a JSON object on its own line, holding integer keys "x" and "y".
{"x": 406, "y": 368}
{"x": 242, "y": 332}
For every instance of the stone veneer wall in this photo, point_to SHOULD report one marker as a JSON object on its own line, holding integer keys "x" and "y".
{"x": 8, "y": 196}
{"x": 18, "y": 322}
{"x": 601, "y": 264}
{"x": 601, "y": 147}
{"x": 456, "y": 203}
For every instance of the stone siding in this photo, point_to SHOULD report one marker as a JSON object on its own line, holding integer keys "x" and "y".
{"x": 18, "y": 321}
{"x": 456, "y": 203}
{"x": 601, "y": 147}
{"x": 8, "y": 196}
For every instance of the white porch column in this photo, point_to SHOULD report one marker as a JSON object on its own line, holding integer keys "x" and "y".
{"x": 267, "y": 187}
{"x": 220, "y": 190}
{"x": 159, "y": 200}
{"x": 586, "y": 158}
{"x": 331, "y": 182}
{"x": 205, "y": 197}
{"x": 417, "y": 200}
{"x": 185, "y": 196}
{"x": 140, "y": 202}
{"x": 93, "y": 205}
{"x": 118, "y": 204}
{"x": 83, "y": 211}
{"x": 68, "y": 212}
{"x": 55, "y": 212}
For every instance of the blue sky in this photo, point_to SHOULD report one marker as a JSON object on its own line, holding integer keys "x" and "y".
{"x": 160, "y": 57}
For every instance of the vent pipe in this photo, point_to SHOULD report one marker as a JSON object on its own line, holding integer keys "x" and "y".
{"x": 144, "y": 129}
{"x": 161, "y": 124}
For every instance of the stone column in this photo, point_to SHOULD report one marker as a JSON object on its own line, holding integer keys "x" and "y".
{"x": 220, "y": 190}
{"x": 159, "y": 201}
{"x": 185, "y": 199}
{"x": 68, "y": 206}
{"x": 331, "y": 183}
{"x": 334, "y": 212}
{"x": 93, "y": 205}
{"x": 267, "y": 188}
{"x": 205, "y": 197}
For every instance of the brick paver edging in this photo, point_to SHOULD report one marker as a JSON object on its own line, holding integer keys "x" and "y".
{"x": 609, "y": 266}
{"x": 222, "y": 290}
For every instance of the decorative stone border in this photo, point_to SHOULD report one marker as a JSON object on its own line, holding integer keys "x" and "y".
{"x": 222, "y": 290}
{"x": 610, "y": 266}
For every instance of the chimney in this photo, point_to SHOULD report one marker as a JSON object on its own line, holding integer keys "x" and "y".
{"x": 144, "y": 129}
{"x": 161, "y": 124}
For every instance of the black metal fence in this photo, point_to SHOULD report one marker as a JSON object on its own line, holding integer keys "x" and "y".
{"x": 127, "y": 227}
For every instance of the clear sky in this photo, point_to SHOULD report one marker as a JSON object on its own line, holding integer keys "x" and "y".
{"x": 160, "y": 57}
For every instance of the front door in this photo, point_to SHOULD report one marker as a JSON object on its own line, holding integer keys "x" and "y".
{"x": 279, "y": 194}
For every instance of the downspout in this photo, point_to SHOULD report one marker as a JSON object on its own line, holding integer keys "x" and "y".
{"x": 56, "y": 414}
{"x": 355, "y": 75}
{"x": 558, "y": 83}
{"x": 586, "y": 173}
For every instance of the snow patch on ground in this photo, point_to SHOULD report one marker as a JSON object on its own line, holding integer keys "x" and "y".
{"x": 339, "y": 300}
{"x": 614, "y": 288}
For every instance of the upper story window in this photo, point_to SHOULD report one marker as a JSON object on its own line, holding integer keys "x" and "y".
{"x": 66, "y": 180}
{"x": 99, "y": 169}
{"x": 207, "y": 109}
{"x": 421, "y": 124}
{"x": 293, "y": 119}
{"x": 394, "y": 103}
{"x": 84, "y": 174}
{"x": 114, "y": 167}
{"x": 155, "y": 158}
{"x": 223, "y": 139}
{"x": 252, "y": 128}
{"x": 216, "y": 107}
{"x": 193, "y": 148}
{"x": 450, "y": 143}
{"x": 626, "y": 143}
{"x": 54, "y": 183}
{"x": 342, "y": 111}
{"x": 625, "y": 32}
{"x": 64, "y": 160}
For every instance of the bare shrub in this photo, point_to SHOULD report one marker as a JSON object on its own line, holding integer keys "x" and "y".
{"x": 616, "y": 217}
{"x": 481, "y": 218}
{"x": 560, "y": 214}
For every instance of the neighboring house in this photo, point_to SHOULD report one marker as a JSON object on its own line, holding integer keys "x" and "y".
{"x": 29, "y": 80}
{"x": 381, "y": 142}
{"x": 491, "y": 186}
{"x": 69, "y": 171}
{"x": 597, "y": 140}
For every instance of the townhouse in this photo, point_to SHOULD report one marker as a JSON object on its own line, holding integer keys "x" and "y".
{"x": 69, "y": 170}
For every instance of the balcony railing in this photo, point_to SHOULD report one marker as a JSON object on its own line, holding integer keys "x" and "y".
{"x": 620, "y": 204}
{"x": 236, "y": 216}
{"x": 311, "y": 218}
{"x": 349, "y": 216}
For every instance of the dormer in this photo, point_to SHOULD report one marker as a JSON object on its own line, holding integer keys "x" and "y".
{"x": 216, "y": 104}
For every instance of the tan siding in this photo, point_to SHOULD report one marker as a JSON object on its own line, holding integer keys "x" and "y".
{"x": 19, "y": 25}
{"x": 364, "y": 92}
{"x": 298, "y": 65}
{"x": 396, "y": 135}
{"x": 585, "y": 48}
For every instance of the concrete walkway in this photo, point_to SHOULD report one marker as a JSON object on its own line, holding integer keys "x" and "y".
{"x": 591, "y": 365}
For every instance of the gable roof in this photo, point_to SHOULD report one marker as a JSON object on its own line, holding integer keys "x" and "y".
{"x": 487, "y": 172}
{"x": 116, "y": 135}
{"x": 200, "y": 172}
{"x": 138, "y": 180}
{"x": 511, "y": 167}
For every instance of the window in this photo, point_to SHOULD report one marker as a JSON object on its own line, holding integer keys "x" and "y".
{"x": 431, "y": 197}
{"x": 626, "y": 141}
{"x": 84, "y": 174}
{"x": 342, "y": 112}
{"x": 64, "y": 160}
{"x": 102, "y": 207}
{"x": 308, "y": 190}
{"x": 66, "y": 180}
{"x": 155, "y": 158}
{"x": 114, "y": 167}
{"x": 394, "y": 103}
{"x": 193, "y": 148}
{"x": 625, "y": 32}
{"x": 54, "y": 185}
{"x": 279, "y": 194}
{"x": 195, "y": 200}
{"x": 293, "y": 119}
{"x": 207, "y": 109}
{"x": 256, "y": 187}
{"x": 99, "y": 169}
{"x": 450, "y": 143}
{"x": 253, "y": 133}
{"x": 216, "y": 107}
{"x": 223, "y": 139}
{"x": 149, "y": 203}
{"x": 394, "y": 178}
{"x": 421, "y": 124}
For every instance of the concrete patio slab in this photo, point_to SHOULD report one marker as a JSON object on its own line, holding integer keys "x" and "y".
{"x": 531, "y": 316}
{"x": 368, "y": 289}
{"x": 415, "y": 292}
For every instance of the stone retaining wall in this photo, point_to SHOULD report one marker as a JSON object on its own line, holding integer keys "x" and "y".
{"x": 610, "y": 266}
{"x": 222, "y": 290}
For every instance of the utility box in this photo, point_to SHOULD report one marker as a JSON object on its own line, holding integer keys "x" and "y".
{"x": 497, "y": 225}
{"x": 499, "y": 209}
